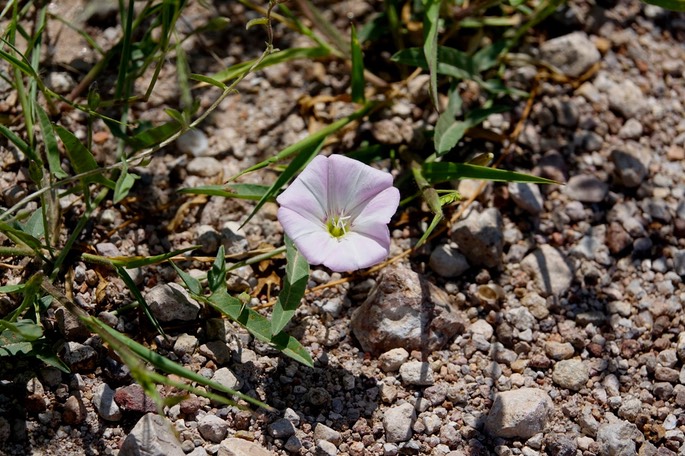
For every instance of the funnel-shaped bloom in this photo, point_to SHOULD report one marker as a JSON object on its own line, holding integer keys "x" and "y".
{"x": 337, "y": 213}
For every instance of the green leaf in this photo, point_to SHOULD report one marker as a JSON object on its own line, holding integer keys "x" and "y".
{"x": 673, "y": 5}
{"x": 123, "y": 274}
{"x": 134, "y": 261}
{"x": 489, "y": 56}
{"x": 448, "y": 131}
{"x": 80, "y": 158}
{"x": 294, "y": 285}
{"x": 253, "y": 192}
{"x": 20, "y": 144}
{"x": 357, "y": 69}
{"x": 451, "y": 62}
{"x": 430, "y": 45}
{"x": 191, "y": 282}
{"x": 287, "y": 55}
{"x": 208, "y": 80}
{"x": 256, "y": 21}
{"x": 30, "y": 241}
{"x": 12, "y": 288}
{"x": 216, "y": 277}
{"x": 124, "y": 184}
{"x": 445, "y": 171}
{"x": 35, "y": 225}
{"x": 26, "y": 329}
{"x": 156, "y": 135}
{"x": 51, "y": 149}
{"x": 259, "y": 326}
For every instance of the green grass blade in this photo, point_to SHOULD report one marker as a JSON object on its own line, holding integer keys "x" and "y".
{"x": 191, "y": 282}
{"x": 155, "y": 135}
{"x": 430, "y": 44}
{"x": 80, "y": 158}
{"x": 287, "y": 55}
{"x": 357, "y": 69}
{"x": 51, "y": 149}
{"x": 489, "y": 56}
{"x": 134, "y": 261}
{"x": 124, "y": 275}
{"x": 22, "y": 237}
{"x": 294, "y": 285}
{"x": 445, "y": 171}
{"x": 448, "y": 131}
{"x": 124, "y": 184}
{"x": 20, "y": 144}
{"x": 451, "y": 62}
{"x": 253, "y": 192}
{"x": 216, "y": 277}
{"x": 208, "y": 80}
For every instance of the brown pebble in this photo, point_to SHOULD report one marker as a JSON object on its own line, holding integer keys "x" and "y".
{"x": 191, "y": 405}
{"x": 629, "y": 348}
{"x": 595, "y": 349}
{"x": 540, "y": 362}
{"x": 74, "y": 411}
{"x": 100, "y": 137}
{"x": 675, "y": 153}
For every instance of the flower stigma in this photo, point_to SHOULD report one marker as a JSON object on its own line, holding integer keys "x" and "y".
{"x": 338, "y": 225}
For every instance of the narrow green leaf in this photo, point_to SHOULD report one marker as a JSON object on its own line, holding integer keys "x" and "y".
{"x": 124, "y": 184}
{"x": 133, "y": 288}
{"x": 27, "y": 329}
{"x": 451, "y": 62}
{"x": 287, "y": 55}
{"x": 430, "y": 45}
{"x": 191, "y": 282}
{"x": 156, "y": 135}
{"x": 216, "y": 277}
{"x": 20, "y": 143}
{"x": 35, "y": 225}
{"x": 448, "y": 134}
{"x": 434, "y": 223}
{"x": 134, "y": 261}
{"x": 357, "y": 69}
{"x": 30, "y": 241}
{"x": 673, "y": 5}
{"x": 253, "y": 192}
{"x": 51, "y": 149}
{"x": 489, "y": 56}
{"x": 256, "y": 21}
{"x": 80, "y": 158}
{"x": 445, "y": 171}
{"x": 183, "y": 76}
{"x": 208, "y": 80}
{"x": 12, "y": 288}
{"x": 259, "y": 326}
{"x": 294, "y": 285}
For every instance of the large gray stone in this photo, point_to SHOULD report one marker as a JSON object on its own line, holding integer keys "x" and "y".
{"x": 571, "y": 374}
{"x": 151, "y": 436}
{"x": 519, "y": 413}
{"x": 549, "y": 269}
{"x": 398, "y": 422}
{"x": 405, "y": 310}
{"x": 617, "y": 439}
{"x": 169, "y": 302}
{"x": 480, "y": 238}
{"x": 573, "y": 54}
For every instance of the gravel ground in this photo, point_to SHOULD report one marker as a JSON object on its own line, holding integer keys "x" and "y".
{"x": 546, "y": 321}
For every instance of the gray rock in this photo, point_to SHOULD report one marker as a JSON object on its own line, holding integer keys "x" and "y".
{"x": 559, "y": 350}
{"x": 241, "y": 447}
{"x": 151, "y": 436}
{"x": 626, "y": 98}
{"x": 417, "y": 373}
{"x": 480, "y": 238}
{"x": 208, "y": 238}
{"x": 586, "y": 188}
{"x": 80, "y": 357}
{"x": 630, "y": 408}
{"x": 573, "y": 54}
{"x": 680, "y": 346}
{"x": 398, "y": 422}
{"x": 405, "y": 310}
{"x": 103, "y": 401}
{"x": 281, "y": 429}
{"x": 185, "y": 344}
{"x": 212, "y": 428}
{"x": 550, "y": 270}
{"x": 204, "y": 166}
{"x": 526, "y": 196}
{"x": 323, "y": 432}
{"x": 630, "y": 170}
{"x": 565, "y": 112}
{"x": 225, "y": 377}
{"x": 70, "y": 326}
{"x": 520, "y": 318}
{"x": 617, "y": 439}
{"x": 391, "y": 360}
{"x": 632, "y": 129}
{"x": 169, "y": 302}
{"x": 74, "y": 411}
{"x": 234, "y": 239}
{"x": 193, "y": 142}
{"x": 448, "y": 262}
{"x": 217, "y": 351}
{"x": 679, "y": 262}
{"x": 571, "y": 374}
{"x": 519, "y": 413}
{"x": 325, "y": 448}
{"x": 293, "y": 444}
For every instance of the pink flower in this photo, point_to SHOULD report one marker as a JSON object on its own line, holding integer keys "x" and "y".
{"x": 337, "y": 213}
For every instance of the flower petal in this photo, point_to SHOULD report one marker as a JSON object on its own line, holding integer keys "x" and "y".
{"x": 351, "y": 183}
{"x": 311, "y": 238}
{"x": 354, "y": 251}
{"x": 308, "y": 194}
{"x": 379, "y": 209}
